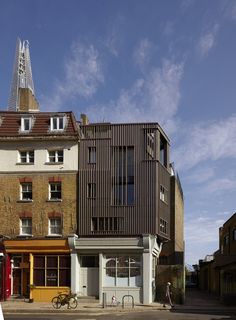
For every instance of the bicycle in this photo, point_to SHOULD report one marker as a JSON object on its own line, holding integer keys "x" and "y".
{"x": 65, "y": 298}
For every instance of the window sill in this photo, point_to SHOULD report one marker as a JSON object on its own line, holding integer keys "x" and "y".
{"x": 25, "y": 236}
{"x": 25, "y": 200}
{"x": 24, "y": 163}
{"x": 54, "y": 236}
{"x": 54, "y": 200}
{"x": 53, "y": 163}
{"x": 166, "y": 203}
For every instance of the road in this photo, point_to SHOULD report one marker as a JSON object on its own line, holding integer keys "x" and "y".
{"x": 150, "y": 315}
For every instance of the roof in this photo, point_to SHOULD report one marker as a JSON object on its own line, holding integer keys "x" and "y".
{"x": 10, "y": 124}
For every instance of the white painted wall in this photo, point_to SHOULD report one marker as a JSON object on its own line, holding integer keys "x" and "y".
{"x": 9, "y": 156}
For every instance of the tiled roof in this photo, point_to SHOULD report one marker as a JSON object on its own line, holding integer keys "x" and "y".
{"x": 10, "y": 124}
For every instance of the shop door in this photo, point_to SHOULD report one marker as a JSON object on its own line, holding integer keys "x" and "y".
{"x": 89, "y": 281}
{"x": 16, "y": 281}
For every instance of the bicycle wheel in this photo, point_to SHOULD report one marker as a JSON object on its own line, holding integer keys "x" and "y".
{"x": 56, "y": 302}
{"x": 73, "y": 303}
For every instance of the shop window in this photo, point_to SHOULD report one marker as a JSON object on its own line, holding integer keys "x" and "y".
{"x": 52, "y": 271}
{"x": 123, "y": 271}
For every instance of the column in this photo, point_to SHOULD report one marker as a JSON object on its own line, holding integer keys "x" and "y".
{"x": 74, "y": 272}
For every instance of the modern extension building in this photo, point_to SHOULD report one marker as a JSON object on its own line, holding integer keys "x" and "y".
{"x": 123, "y": 209}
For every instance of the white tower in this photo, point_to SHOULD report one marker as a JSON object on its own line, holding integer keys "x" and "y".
{"x": 22, "y": 74}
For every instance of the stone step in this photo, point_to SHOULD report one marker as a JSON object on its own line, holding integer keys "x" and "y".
{"x": 87, "y": 299}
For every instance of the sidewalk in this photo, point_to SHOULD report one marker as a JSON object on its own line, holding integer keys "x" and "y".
{"x": 197, "y": 301}
{"x": 46, "y": 307}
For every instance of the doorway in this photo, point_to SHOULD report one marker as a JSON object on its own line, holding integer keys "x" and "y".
{"x": 89, "y": 276}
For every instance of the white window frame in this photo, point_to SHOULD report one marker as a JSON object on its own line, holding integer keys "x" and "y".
{"x": 24, "y": 121}
{"x": 163, "y": 194}
{"x": 22, "y": 191}
{"x": 27, "y": 156}
{"x": 54, "y": 154}
{"x": 25, "y": 223}
{"x": 57, "y": 226}
{"x": 50, "y": 191}
{"x": 57, "y": 123}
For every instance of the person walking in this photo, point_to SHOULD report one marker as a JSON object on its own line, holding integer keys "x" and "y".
{"x": 168, "y": 294}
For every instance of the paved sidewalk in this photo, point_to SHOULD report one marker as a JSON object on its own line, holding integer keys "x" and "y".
{"x": 45, "y": 307}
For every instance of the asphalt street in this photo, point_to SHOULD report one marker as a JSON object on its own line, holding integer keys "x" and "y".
{"x": 150, "y": 315}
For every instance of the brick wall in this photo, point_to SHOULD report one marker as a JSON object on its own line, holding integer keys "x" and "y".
{"x": 11, "y": 208}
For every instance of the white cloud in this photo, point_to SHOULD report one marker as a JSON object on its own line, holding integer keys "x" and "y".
{"x": 115, "y": 36}
{"x": 142, "y": 53}
{"x": 153, "y": 98}
{"x": 220, "y": 184}
{"x": 209, "y": 141}
{"x": 83, "y": 76}
{"x": 202, "y": 234}
{"x": 201, "y": 175}
{"x": 207, "y": 40}
{"x": 228, "y": 8}
{"x": 186, "y": 4}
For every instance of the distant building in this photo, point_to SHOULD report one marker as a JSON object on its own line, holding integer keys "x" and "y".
{"x": 218, "y": 271}
{"x": 171, "y": 260}
{"x": 22, "y": 80}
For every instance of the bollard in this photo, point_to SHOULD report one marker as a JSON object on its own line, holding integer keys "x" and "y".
{"x": 104, "y": 299}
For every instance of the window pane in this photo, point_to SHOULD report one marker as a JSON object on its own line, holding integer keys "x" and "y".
{"x": 110, "y": 277}
{"x": 89, "y": 261}
{"x": 123, "y": 262}
{"x": 51, "y": 277}
{"x": 51, "y": 155}
{"x": 39, "y": 261}
{"x": 39, "y": 277}
{"x": 52, "y": 262}
{"x": 60, "y": 155}
{"x": 31, "y": 156}
{"x": 61, "y": 124}
{"x": 23, "y": 156}
{"x": 64, "y": 277}
{"x": 64, "y": 261}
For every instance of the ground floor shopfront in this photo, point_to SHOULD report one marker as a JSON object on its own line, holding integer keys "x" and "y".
{"x": 35, "y": 268}
{"x": 114, "y": 267}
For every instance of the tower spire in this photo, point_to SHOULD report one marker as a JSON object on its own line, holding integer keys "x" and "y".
{"x": 22, "y": 76}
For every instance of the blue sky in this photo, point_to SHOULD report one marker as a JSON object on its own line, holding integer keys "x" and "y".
{"x": 143, "y": 60}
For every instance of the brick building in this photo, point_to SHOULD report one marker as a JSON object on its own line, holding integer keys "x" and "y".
{"x": 218, "y": 273}
{"x": 38, "y": 199}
